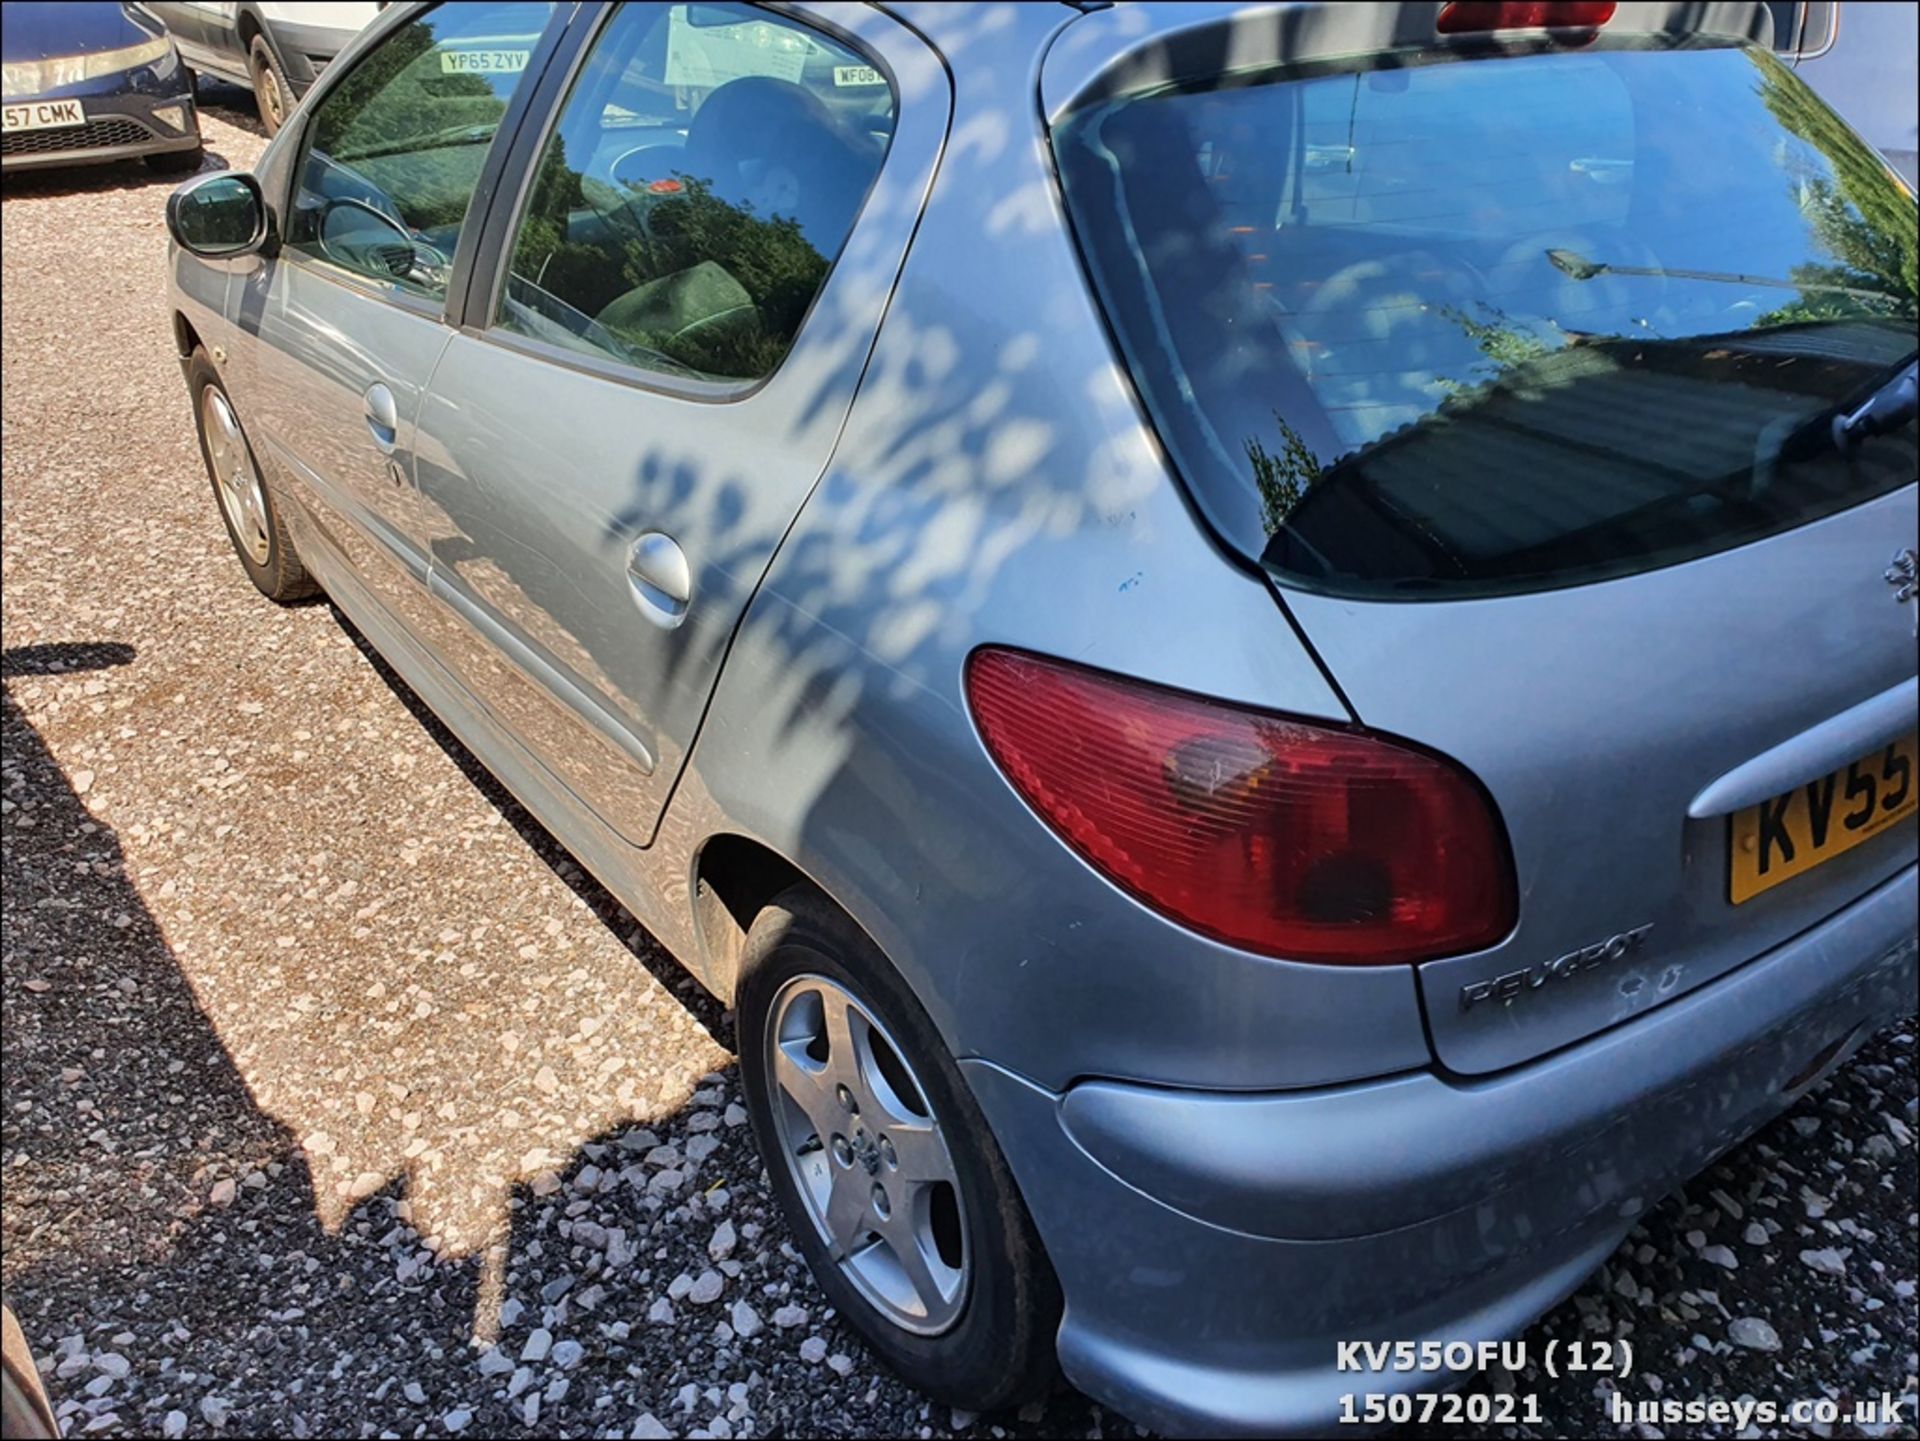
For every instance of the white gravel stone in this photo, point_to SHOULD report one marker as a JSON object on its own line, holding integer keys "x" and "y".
{"x": 647, "y": 1428}
{"x": 1826, "y": 1260}
{"x": 539, "y": 1344}
{"x": 745, "y": 1320}
{"x": 457, "y": 1420}
{"x": 813, "y": 1350}
{"x": 706, "y": 1290}
{"x": 173, "y": 1425}
{"x": 567, "y": 1354}
{"x": 660, "y": 1313}
{"x": 789, "y": 1316}
{"x": 724, "y": 1239}
{"x": 1753, "y": 1333}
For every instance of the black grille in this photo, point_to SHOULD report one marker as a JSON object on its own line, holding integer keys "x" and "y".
{"x": 101, "y": 134}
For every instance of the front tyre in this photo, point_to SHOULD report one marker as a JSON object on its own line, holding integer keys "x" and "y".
{"x": 271, "y": 92}
{"x": 247, "y": 507}
{"x": 890, "y": 1180}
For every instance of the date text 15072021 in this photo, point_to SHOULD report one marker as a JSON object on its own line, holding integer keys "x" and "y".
{"x": 1571, "y": 1357}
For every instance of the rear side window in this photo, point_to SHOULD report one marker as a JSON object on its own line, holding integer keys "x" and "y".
{"x": 1412, "y": 325}
{"x": 704, "y": 173}
{"x": 395, "y": 149}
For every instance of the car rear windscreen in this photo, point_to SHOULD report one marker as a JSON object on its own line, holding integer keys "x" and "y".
{"x": 1412, "y": 325}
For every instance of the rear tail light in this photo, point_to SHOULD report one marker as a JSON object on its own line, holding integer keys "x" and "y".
{"x": 1465, "y": 17}
{"x": 1295, "y": 840}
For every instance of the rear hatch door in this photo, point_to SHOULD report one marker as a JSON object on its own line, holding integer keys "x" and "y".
{"x": 1597, "y": 715}
{"x": 1513, "y": 360}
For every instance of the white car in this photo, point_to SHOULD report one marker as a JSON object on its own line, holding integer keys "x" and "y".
{"x": 276, "y": 51}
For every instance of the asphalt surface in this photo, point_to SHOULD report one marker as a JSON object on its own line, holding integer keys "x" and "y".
{"x": 338, "y": 1101}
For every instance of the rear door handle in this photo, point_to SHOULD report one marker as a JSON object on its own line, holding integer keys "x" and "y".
{"x": 659, "y": 578}
{"x": 383, "y": 417}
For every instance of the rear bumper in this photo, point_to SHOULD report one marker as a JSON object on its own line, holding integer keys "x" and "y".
{"x": 1213, "y": 1249}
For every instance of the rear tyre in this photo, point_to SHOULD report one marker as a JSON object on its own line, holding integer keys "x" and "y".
{"x": 895, "y": 1190}
{"x": 177, "y": 162}
{"x": 246, "y": 505}
{"x": 271, "y": 91}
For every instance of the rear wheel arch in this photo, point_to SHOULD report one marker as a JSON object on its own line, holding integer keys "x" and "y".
{"x": 734, "y": 879}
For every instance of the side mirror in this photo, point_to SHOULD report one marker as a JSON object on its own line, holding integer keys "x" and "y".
{"x": 218, "y": 215}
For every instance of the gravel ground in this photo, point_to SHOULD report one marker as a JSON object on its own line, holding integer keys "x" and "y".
{"x": 338, "y": 1101}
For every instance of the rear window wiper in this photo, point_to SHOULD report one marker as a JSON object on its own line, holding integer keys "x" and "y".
{"x": 1891, "y": 406}
{"x": 1576, "y": 266}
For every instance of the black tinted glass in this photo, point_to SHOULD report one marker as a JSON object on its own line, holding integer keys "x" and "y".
{"x": 1503, "y": 322}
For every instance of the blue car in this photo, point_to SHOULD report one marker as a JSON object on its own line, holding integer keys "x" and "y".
{"x": 1268, "y": 649}
{"x": 89, "y": 83}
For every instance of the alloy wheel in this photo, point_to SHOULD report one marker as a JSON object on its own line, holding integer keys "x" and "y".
{"x": 867, "y": 1155}
{"x": 235, "y": 480}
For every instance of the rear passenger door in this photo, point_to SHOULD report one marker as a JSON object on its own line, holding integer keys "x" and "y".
{"x": 690, "y": 273}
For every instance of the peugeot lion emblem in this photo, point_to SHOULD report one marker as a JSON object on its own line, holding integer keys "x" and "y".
{"x": 1904, "y": 576}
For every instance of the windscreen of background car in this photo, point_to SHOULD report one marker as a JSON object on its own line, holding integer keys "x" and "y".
{"x": 1429, "y": 327}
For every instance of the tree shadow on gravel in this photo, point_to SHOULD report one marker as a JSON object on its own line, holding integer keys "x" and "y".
{"x": 165, "y": 1248}
{"x": 125, "y": 1119}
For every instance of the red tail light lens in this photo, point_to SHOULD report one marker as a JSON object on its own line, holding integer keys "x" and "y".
{"x": 1464, "y": 17}
{"x": 1291, "y": 839}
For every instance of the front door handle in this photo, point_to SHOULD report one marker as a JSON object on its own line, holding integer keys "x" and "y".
{"x": 658, "y": 576}
{"x": 383, "y": 417}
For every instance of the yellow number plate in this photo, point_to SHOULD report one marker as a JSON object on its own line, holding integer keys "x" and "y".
{"x": 1792, "y": 833}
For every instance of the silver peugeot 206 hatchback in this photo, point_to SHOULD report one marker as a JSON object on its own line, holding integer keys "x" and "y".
{"x": 1270, "y": 650}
